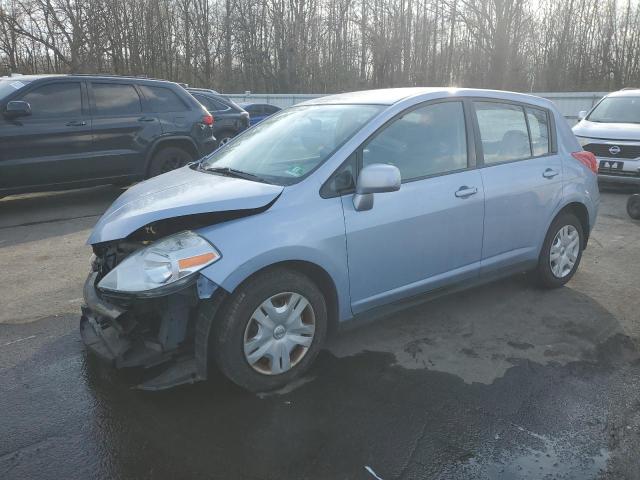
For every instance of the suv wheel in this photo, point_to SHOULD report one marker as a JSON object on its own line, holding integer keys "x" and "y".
{"x": 270, "y": 330}
{"x": 561, "y": 251}
{"x": 224, "y": 137}
{"x": 167, "y": 159}
{"x": 633, "y": 206}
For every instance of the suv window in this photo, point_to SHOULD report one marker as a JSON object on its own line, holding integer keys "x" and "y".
{"x": 55, "y": 100}
{"x": 211, "y": 104}
{"x": 426, "y": 141}
{"x": 539, "y": 130}
{"x": 503, "y": 131}
{"x": 163, "y": 99}
{"x": 116, "y": 99}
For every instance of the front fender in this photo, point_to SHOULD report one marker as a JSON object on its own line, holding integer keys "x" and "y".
{"x": 283, "y": 234}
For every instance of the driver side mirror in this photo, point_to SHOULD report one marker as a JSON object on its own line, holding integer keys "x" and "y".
{"x": 582, "y": 114}
{"x": 17, "y": 108}
{"x": 375, "y": 178}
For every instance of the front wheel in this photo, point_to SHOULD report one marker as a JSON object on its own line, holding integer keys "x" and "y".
{"x": 167, "y": 159}
{"x": 270, "y": 330}
{"x": 633, "y": 206}
{"x": 561, "y": 251}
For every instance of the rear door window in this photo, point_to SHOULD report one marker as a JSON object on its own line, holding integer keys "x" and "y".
{"x": 55, "y": 100}
{"x": 503, "y": 132}
{"x": 116, "y": 99}
{"x": 163, "y": 99}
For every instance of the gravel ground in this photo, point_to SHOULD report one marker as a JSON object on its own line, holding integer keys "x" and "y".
{"x": 502, "y": 381}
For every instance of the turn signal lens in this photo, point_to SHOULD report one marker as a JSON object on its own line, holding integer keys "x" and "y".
{"x": 588, "y": 159}
{"x": 196, "y": 261}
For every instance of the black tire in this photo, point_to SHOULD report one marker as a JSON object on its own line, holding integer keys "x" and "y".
{"x": 633, "y": 206}
{"x": 167, "y": 159}
{"x": 228, "y": 335}
{"x": 544, "y": 274}
{"x": 224, "y": 137}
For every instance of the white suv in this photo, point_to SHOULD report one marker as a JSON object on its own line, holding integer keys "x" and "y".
{"x": 611, "y": 131}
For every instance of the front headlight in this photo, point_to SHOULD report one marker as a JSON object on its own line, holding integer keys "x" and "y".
{"x": 584, "y": 140}
{"x": 171, "y": 261}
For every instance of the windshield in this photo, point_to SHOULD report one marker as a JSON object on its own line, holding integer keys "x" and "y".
{"x": 291, "y": 144}
{"x": 617, "y": 110}
{"x": 10, "y": 85}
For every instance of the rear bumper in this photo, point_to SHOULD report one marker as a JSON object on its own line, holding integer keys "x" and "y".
{"x": 623, "y": 179}
{"x": 112, "y": 334}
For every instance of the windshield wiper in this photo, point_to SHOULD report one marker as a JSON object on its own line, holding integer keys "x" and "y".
{"x": 232, "y": 172}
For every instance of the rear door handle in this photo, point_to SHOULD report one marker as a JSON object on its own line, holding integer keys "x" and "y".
{"x": 146, "y": 119}
{"x": 464, "y": 191}
{"x": 550, "y": 173}
{"x": 76, "y": 123}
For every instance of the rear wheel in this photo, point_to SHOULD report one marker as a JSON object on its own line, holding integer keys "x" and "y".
{"x": 561, "y": 251}
{"x": 633, "y": 206}
{"x": 224, "y": 138}
{"x": 167, "y": 159}
{"x": 270, "y": 330}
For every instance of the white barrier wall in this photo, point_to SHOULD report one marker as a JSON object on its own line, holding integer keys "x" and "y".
{"x": 569, "y": 103}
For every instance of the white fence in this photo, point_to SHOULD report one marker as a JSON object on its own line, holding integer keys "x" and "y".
{"x": 569, "y": 103}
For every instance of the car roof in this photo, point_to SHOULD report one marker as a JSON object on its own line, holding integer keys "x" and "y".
{"x": 203, "y": 90}
{"x": 249, "y": 104}
{"x": 390, "y": 96}
{"x": 92, "y": 76}
{"x": 626, "y": 92}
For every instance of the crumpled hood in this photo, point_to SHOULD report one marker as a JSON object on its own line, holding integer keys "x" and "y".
{"x": 181, "y": 192}
{"x": 607, "y": 131}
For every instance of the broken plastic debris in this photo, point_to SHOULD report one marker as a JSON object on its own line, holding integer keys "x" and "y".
{"x": 370, "y": 470}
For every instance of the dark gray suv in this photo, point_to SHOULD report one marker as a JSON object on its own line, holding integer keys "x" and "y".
{"x": 67, "y": 131}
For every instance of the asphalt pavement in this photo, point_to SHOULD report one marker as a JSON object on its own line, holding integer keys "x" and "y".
{"x": 499, "y": 382}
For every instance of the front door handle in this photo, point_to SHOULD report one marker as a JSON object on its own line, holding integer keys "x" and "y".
{"x": 76, "y": 123}
{"x": 146, "y": 119}
{"x": 550, "y": 173}
{"x": 464, "y": 191}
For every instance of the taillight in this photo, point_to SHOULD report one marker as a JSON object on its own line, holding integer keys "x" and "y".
{"x": 208, "y": 120}
{"x": 588, "y": 159}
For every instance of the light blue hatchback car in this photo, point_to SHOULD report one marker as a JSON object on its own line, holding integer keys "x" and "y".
{"x": 334, "y": 209}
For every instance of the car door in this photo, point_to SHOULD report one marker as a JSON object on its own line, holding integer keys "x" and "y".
{"x": 122, "y": 130}
{"x": 51, "y": 145}
{"x": 428, "y": 233}
{"x": 522, "y": 177}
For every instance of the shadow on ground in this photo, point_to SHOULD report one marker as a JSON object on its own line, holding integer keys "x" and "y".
{"x": 78, "y": 209}
{"x": 575, "y": 416}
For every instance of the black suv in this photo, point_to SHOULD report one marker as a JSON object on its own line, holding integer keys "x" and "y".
{"x": 67, "y": 131}
{"x": 230, "y": 119}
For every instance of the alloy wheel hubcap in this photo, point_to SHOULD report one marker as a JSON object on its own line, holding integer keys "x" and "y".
{"x": 564, "y": 251}
{"x": 279, "y": 333}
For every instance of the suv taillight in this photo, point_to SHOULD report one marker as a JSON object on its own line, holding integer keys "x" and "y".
{"x": 588, "y": 159}
{"x": 208, "y": 120}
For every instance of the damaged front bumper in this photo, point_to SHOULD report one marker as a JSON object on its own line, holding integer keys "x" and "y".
{"x": 166, "y": 336}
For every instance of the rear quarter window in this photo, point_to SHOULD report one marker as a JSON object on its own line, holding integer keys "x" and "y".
{"x": 539, "y": 128}
{"x": 162, "y": 99}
